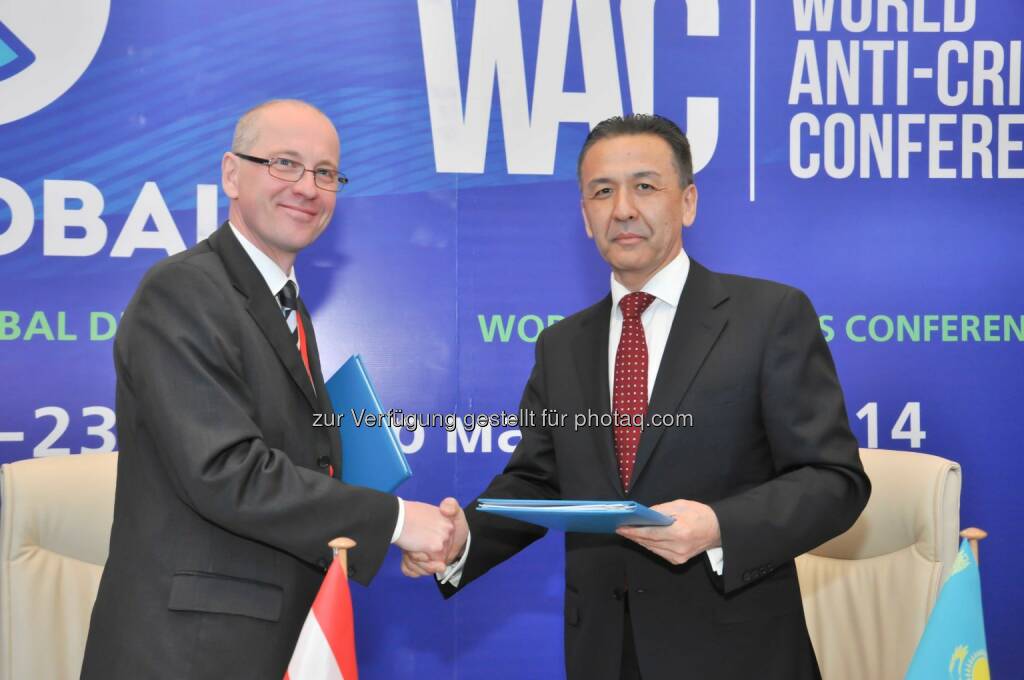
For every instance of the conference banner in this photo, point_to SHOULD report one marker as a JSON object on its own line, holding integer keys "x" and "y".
{"x": 868, "y": 152}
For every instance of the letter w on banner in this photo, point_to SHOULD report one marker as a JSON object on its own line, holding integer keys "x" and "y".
{"x": 326, "y": 649}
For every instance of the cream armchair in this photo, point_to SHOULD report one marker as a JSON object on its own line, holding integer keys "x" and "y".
{"x": 867, "y": 593}
{"x": 55, "y": 517}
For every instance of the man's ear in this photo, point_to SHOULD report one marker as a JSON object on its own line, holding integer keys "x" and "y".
{"x": 689, "y": 200}
{"x": 229, "y": 175}
{"x": 586, "y": 222}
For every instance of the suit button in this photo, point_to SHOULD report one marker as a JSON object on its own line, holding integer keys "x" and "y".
{"x": 322, "y": 564}
{"x": 746, "y": 576}
{"x": 640, "y": 591}
{"x": 323, "y": 461}
{"x": 618, "y": 594}
{"x": 351, "y": 572}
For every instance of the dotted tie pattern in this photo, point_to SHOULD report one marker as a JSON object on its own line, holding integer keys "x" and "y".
{"x": 629, "y": 391}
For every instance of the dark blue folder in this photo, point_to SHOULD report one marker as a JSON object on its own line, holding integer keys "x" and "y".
{"x": 589, "y": 517}
{"x": 371, "y": 454}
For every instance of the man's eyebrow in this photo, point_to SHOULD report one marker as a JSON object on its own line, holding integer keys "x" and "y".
{"x": 641, "y": 174}
{"x": 295, "y": 155}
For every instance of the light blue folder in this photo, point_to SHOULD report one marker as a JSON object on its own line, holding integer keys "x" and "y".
{"x": 588, "y": 517}
{"x": 371, "y": 455}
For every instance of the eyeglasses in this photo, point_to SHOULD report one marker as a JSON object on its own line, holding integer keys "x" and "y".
{"x": 288, "y": 170}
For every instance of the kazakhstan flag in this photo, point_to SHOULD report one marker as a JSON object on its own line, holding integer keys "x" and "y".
{"x": 953, "y": 644}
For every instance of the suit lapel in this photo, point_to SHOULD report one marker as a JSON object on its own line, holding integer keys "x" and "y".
{"x": 696, "y": 327}
{"x": 591, "y": 356}
{"x": 262, "y": 307}
{"x": 321, "y": 389}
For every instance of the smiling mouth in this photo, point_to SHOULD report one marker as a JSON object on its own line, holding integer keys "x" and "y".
{"x": 302, "y": 211}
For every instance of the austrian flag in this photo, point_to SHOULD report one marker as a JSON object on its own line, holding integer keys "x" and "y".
{"x": 326, "y": 649}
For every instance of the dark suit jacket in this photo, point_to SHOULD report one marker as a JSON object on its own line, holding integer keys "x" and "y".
{"x": 770, "y": 450}
{"x": 223, "y": 507}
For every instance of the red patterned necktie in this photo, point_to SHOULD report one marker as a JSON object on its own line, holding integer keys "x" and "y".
{"x": 629, "y": 391}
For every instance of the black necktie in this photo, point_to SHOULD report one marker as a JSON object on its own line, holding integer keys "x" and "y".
{"x": 289, "y": 299}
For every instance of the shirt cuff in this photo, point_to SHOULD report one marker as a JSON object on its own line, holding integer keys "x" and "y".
{"x": 453, "y": 574}
{"x": 717, "y": 559}
{"x": 400, "y": 524}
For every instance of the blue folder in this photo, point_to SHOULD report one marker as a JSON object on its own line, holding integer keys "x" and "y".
{"x": 589, "y": 517}
{"x": 371, "y": 455}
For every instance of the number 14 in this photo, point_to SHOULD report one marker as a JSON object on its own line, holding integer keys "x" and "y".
{"x": 908, "y": 425}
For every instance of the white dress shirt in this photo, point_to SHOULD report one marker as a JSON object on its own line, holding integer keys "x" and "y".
{"x": 666, "y": 287}
{"x": 276, "y": 279}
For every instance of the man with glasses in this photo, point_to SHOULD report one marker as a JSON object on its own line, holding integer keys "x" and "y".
{"x": 226, "y": 493}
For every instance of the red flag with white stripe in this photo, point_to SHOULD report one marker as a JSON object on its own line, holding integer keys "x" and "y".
{"x": 326, "y": 649}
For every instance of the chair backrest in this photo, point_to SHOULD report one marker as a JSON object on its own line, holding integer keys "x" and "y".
{"x": 55, "y": 518}
{"x": 868, "y": 592}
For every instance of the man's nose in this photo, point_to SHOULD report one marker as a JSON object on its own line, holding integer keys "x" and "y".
{"x": 625, "y": 208}
{"x": 306, "y": 186}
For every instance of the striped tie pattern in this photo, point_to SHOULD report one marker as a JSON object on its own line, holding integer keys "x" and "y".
{"x": 289, "y": 299}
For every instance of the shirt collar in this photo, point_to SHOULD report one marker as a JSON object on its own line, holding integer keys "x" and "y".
{"x": 268, "y": 269}
{"x": 666, "y": 285}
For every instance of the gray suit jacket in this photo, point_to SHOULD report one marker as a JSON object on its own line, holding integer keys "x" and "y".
{"x": 223, "y": 507}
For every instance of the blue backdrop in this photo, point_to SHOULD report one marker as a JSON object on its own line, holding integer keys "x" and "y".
{"x": 872, "y": 158}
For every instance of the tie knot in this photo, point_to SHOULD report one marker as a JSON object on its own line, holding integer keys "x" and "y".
{"x": 288, "y": 297}
{"x": 634, "y": 304}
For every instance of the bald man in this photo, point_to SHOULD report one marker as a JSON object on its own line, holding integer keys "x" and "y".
{"x": 226, "y": 493}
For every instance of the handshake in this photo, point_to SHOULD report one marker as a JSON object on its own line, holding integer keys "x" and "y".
{"x": 432, "y": 537}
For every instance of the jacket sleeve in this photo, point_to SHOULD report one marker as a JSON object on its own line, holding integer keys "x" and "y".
{"x": 178, "y": 354}
{"x": 531, "y": 473}
{"x": 820, "y": 488}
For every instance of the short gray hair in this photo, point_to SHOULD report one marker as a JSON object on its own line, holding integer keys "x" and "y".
{"x": 247, "y": 128}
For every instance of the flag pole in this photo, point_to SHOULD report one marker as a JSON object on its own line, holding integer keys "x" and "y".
{"x": 341, "y": 546}
{"x": 326, "y": 646}
{"x": 973, "y": 535}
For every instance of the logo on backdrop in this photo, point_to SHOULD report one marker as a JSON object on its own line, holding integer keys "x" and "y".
{"x": 460, "y": 125}
{"x": 14, "y": 55}
{"x": 40, "y": 59}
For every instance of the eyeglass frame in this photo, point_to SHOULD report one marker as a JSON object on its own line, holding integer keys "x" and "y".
{"x": 268, "y": 163}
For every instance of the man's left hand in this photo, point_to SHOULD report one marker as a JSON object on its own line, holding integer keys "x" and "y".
{"x": 695, "y": 531}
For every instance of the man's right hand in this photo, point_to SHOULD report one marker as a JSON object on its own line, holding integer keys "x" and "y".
{"x": 418, "y": 563}
{"x": 427, "y": 532}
